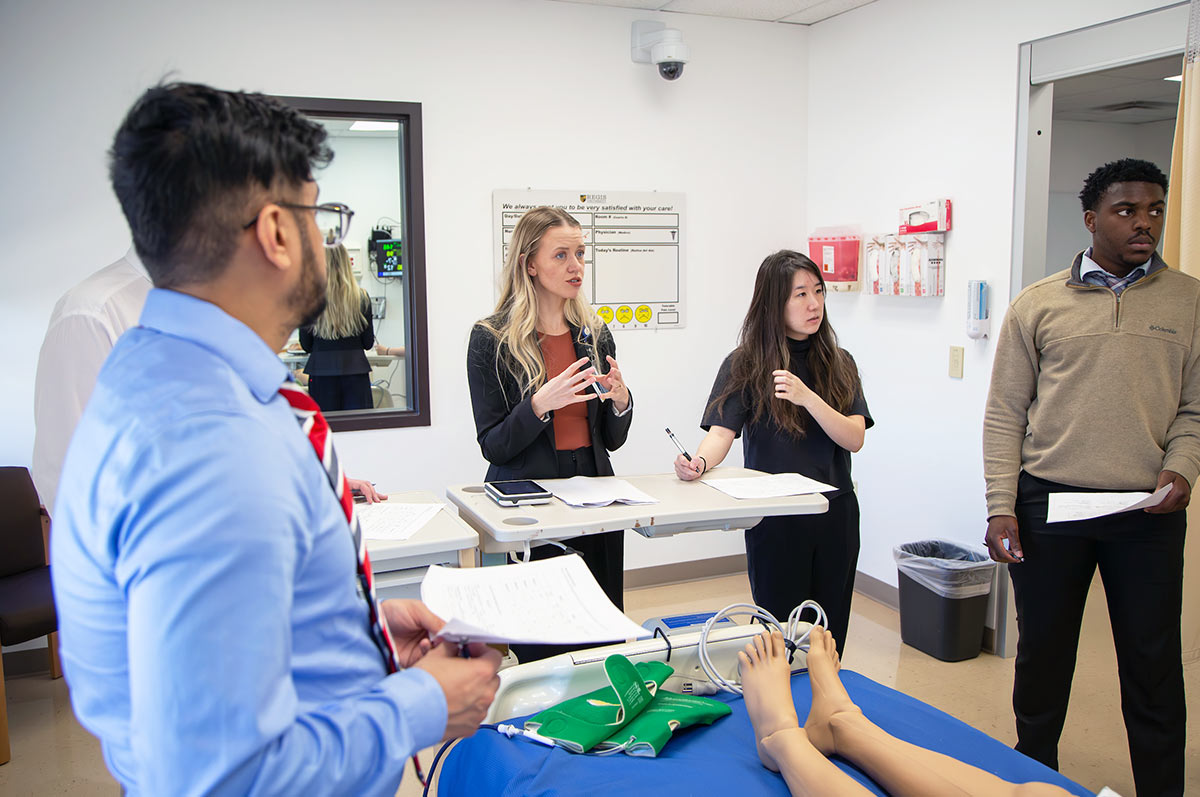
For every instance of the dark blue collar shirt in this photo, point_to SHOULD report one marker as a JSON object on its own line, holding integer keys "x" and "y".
{"x": 212, "y": 634}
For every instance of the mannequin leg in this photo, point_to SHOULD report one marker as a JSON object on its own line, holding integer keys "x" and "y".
{"x": 836, "y": 726}
{"x": 900, "y": 767}
{"x": 782, "y": 744}
{"x": 805, "y": 770}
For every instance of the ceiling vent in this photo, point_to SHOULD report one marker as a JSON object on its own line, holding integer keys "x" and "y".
{"x": 1135, "y": 105}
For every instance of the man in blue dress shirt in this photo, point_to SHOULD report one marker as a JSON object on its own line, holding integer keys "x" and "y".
{"x": 212, "y": 632}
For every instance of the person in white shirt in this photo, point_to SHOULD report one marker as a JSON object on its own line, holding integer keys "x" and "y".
{"x": 85, "y": 324}
{"x": 83, "y": 328}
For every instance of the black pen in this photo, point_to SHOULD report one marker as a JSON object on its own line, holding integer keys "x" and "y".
{"x": 679, "y": 445}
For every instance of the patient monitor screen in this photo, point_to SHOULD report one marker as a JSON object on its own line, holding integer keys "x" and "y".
{"x": 387, "y": 257}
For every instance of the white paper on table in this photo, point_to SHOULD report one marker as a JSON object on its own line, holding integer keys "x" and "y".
{"x": 590, "y": 491}
{"x": 776, "y": 485}
{"x": 394, "y": 521}
{"x": 551, "y": 601}
{"x": 1084, "y": 506}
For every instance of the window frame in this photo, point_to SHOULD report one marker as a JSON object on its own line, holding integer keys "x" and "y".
{"x": 411, "y": 177}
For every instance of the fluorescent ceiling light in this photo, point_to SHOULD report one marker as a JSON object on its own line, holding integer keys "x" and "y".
{"x": 1177, "y": 78}
{"x": 364, "y": 125}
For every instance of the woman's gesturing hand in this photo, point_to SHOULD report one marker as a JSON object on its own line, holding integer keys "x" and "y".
{"x": 614, "y": 383}
{"x": 791, "y": 387}
{"x": 564, "y": 389}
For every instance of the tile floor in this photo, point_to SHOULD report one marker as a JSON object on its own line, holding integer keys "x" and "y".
{"x": 52, "y": 754}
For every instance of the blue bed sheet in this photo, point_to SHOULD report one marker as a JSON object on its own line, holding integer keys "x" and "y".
{"x": 719, "y": 759}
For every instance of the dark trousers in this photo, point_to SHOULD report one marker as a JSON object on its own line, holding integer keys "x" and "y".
{"x": 1140, "y": 557}
{"x": 345, "y": 392}
{"x": 604, "y": 555}
{"x": 794, "y": 558}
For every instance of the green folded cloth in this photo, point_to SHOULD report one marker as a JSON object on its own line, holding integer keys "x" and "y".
{"x": 631, "y": 715}
{"x": 579, "y": 724}
{"x": 649, "y": 731}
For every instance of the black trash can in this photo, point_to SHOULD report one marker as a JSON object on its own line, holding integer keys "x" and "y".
{"x": 944, "y": 589}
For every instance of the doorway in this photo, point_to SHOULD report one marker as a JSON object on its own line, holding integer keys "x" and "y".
{"x": 1111, "y": 72}
{"x": 1128, "y": 112}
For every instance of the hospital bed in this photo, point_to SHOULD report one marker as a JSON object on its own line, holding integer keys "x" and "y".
{"x": 718, "y": 759}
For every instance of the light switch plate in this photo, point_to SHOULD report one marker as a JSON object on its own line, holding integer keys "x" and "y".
{"x": 956, "y": 362}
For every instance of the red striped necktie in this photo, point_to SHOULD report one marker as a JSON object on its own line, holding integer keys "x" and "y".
{"x": 314, "y": 425}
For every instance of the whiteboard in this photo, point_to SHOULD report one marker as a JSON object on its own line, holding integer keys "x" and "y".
{"x": 634, "y": 257}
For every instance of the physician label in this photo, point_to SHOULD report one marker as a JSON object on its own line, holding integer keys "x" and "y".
{"x": 634, "y": 250}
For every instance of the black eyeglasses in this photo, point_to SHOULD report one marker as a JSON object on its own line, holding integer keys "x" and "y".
{"x": 333, "y": 220}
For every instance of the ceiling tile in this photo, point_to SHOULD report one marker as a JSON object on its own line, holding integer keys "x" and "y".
{"x": 768, "y": 10}
{"x": 824, "y": 10}
{"x": 649, "y": 5}
{"x": 1151, "y": 70}
{"x": 1087, "y": 84}
{"x": 801, "y": 12}
{"x": 1125, "y": 91}
{"x": 1138, "y": 117}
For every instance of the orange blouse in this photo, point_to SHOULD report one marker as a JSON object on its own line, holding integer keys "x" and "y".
{"x": 570, "y": 422}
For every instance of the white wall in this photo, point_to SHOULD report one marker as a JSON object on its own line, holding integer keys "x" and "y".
{"x": 772, "y": 130}
{"x": 1076, "y": 150}
{"x": 515, "y": 93}
{"x": 909, "y": 102}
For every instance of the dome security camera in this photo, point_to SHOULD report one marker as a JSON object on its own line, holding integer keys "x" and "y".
{"x": 654, "y": 42}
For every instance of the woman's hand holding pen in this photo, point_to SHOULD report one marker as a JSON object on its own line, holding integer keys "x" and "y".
{"x": 614, "y": 383}
{"x": 792, "y": 388}
{"x": 689, "y": 470}
{"x": 565, "y": 389}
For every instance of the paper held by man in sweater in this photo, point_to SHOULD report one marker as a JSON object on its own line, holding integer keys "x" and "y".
{"x": 1084, "y": 506}
{"x": 552, "y": 601}
{"x": 776, "y": 485}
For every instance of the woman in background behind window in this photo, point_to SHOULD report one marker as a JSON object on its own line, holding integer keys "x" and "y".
{"x": 339, "y": 374}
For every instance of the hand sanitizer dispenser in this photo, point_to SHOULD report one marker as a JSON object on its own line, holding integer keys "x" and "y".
{"x": 978, "y": 322}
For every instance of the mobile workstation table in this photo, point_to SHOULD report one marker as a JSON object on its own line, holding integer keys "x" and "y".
{"x": 682, "y": 506}
{"x": 400, "y": 565}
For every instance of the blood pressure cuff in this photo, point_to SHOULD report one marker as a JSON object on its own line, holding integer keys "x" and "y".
{"x": 649, "y": 731}
{"x": 579, "y": 724}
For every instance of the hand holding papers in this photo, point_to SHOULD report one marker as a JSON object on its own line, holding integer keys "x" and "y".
{"x": 1084, "y": 506}
{"x": 552, "y": 601}
{"x": 593, "y": 491}
{"x": 394, "y": 521}
{"x": 775, "y": 485}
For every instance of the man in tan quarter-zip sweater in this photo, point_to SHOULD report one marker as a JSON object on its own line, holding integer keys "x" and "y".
{"x": 1096, "y": 388}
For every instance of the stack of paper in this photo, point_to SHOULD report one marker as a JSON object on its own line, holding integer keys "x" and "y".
{"x": 552, "y": 601}
{"x": 394, "y": 521}
{"x": 777, "y": 485}
{"x": 592, "y": 491}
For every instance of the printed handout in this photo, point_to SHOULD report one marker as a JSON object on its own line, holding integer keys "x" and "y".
{"x": 551, "y": 601}
{"x": 1084, "y": 506}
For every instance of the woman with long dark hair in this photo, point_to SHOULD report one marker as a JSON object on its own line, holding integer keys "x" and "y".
{"x": 533, "y": 367}
{"x": 796, "y": 399}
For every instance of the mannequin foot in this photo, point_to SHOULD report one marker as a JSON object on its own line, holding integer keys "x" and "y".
{"x": 829, "y": 696}
{"x": 765, "y": 686}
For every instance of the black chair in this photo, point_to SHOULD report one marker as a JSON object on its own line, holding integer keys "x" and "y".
{"x": 26, "y": 601}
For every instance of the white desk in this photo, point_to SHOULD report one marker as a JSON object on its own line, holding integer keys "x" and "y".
{"x": 683, "y": 506}
{"x": 400, "y": 566}
{"x": 298, "y": 359}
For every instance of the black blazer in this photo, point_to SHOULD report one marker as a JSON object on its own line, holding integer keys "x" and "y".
{"x": 339, "y": 356}
{"x": 517, "y": 443}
